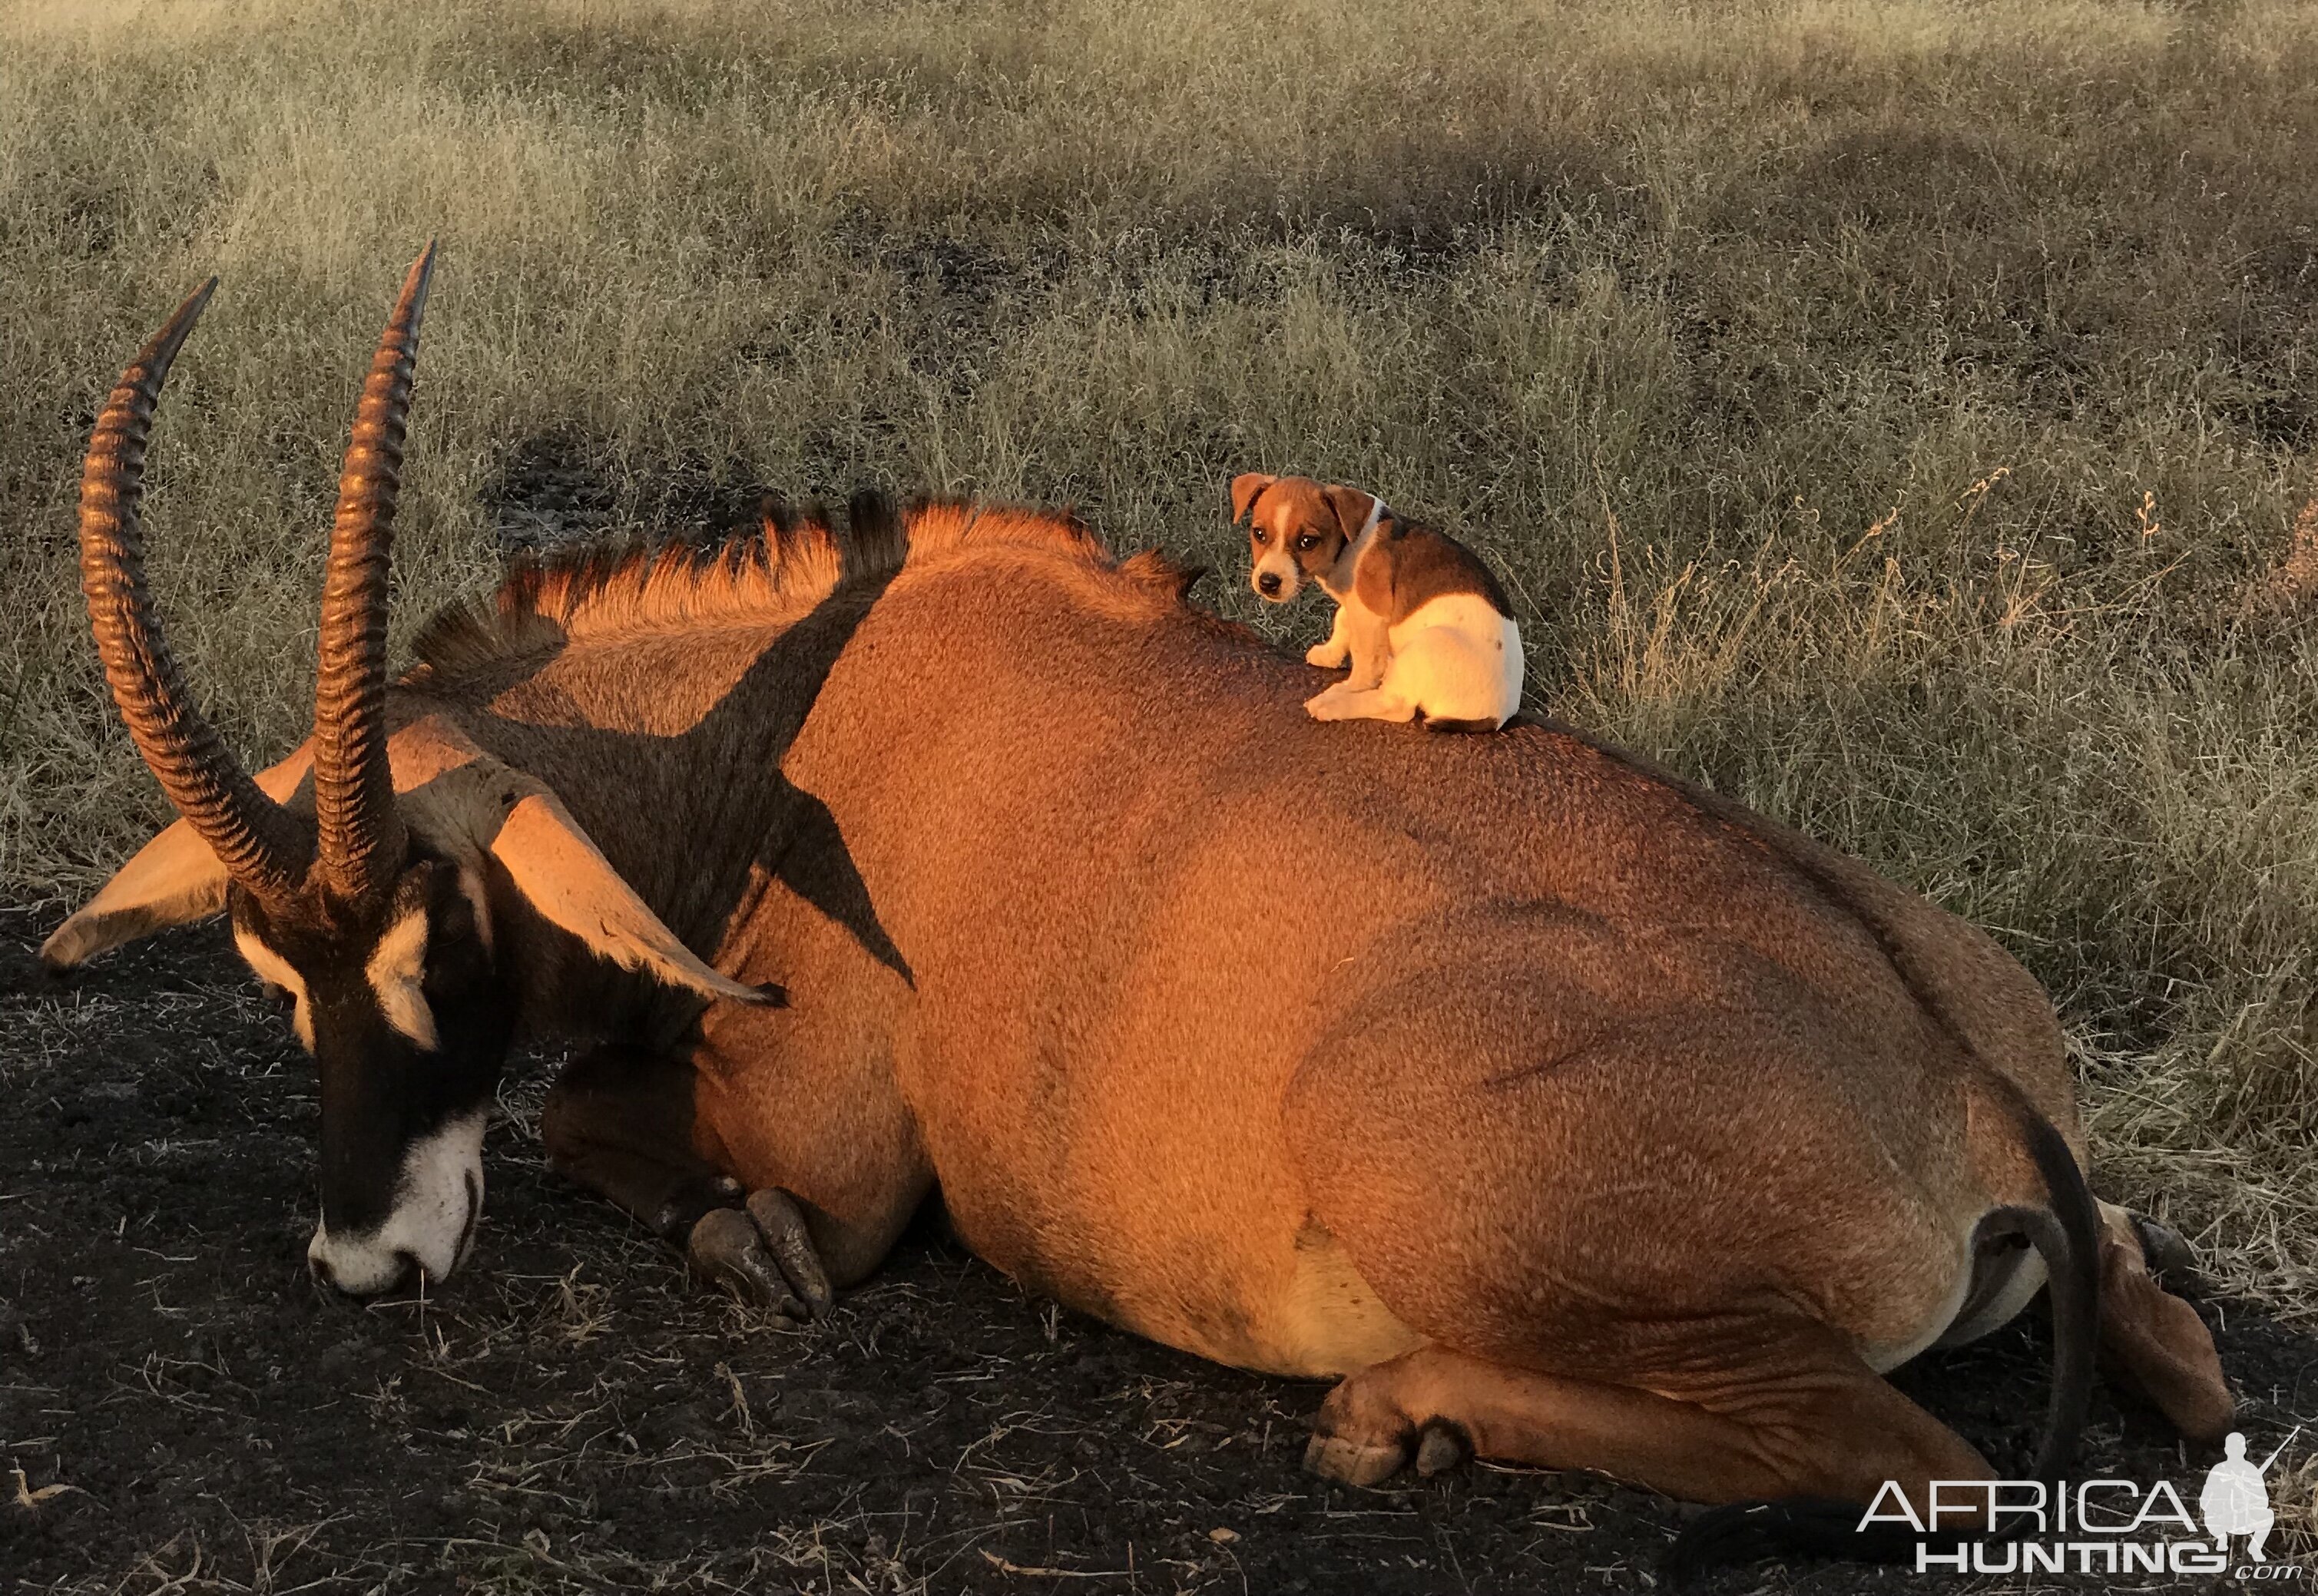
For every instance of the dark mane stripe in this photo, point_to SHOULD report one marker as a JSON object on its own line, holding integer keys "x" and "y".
{"x": 790, "y": 564}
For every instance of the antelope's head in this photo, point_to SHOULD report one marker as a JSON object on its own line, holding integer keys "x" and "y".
{"x": 374, "y": 911}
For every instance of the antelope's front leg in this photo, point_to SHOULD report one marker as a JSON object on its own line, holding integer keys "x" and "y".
{"x": 762, "y": 1253}
{"x": 624, "y": 1122}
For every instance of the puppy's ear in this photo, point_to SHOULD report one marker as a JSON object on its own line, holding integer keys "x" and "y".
{"x": 1350, "y": 506}
{"x": 1246, "y": 489}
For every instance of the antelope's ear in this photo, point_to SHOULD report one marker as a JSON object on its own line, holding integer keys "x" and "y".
{"x": 567, "y": 882}
{"x": 1350, "y": 506}
{"x": 172, "y": 880}
{"x": 1247, "y": 488}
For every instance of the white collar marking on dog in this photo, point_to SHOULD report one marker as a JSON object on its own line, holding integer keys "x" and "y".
{"x": 1338, "y": 579}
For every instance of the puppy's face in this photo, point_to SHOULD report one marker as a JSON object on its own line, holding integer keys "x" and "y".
{"x": 1297, "y": 529}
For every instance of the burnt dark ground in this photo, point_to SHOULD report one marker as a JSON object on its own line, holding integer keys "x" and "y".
{"x": 571, "y": 1414}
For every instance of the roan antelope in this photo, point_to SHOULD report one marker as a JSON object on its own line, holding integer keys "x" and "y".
{"x": 1570, "y": 1114}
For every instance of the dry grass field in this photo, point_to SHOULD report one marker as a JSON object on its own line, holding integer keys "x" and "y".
{"x": 1901, "y": 416}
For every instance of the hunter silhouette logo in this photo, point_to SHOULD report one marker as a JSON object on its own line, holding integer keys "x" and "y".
{"x": 2236, "y": 1497}
{"x": 2110, "y": 1526}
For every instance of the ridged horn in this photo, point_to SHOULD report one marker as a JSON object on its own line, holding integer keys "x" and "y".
{"x": 360, "y": 830}
{"x": 261, "y": 845}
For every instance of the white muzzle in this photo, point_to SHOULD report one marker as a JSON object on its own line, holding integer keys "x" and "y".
{"x": 436, "y": 1203}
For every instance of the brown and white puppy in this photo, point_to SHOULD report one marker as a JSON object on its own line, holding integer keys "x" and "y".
{"x": 1419, "y": 617}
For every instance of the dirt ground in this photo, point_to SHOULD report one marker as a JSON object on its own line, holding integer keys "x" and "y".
{"x": 189, "y": 1415}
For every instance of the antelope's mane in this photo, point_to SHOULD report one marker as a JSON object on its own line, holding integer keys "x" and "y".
{"x": 778, "y": 573}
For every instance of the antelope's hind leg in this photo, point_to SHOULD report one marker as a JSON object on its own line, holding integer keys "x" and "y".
{"x": 2151, "y": 1340}
{"x": 1827, "y": 1427}
{"x": 624, "y": 1122}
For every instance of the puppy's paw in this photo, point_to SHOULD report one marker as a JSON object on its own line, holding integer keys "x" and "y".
{"x": 1326, "y": 658}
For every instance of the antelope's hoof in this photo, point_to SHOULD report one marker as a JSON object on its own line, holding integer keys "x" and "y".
{"x": 2169, "y": 1256}
{"x": 762, "y": 1255}
{"x": 1442, "y": 1446}
{"x": 1351, "y": 1462}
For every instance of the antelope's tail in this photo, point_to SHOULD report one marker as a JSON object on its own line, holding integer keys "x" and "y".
{"x": 2065, "y": 1229}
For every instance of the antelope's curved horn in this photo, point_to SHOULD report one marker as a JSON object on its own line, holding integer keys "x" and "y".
{"x": 261, "y": 845}
{"x": 360, "y": 830}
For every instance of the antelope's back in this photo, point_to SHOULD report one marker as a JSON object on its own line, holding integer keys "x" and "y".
{"x": 1137, "y": 886}
{"x": 1061, "y": 794}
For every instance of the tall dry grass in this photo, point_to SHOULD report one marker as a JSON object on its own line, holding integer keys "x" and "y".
{"x": 1895, "y": 414}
